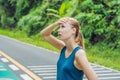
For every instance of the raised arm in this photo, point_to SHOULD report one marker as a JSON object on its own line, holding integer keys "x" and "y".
{"x": 46, "y": 34}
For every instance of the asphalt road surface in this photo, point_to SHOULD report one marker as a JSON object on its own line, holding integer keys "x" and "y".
{"x": 21, "y": 61}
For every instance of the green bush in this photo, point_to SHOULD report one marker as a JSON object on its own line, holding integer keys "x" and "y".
{"x": 99, "y": 19}
{"x": 34, "y": 21}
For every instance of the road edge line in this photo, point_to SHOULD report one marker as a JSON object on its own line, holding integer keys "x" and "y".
{"x": 34, "y": 76}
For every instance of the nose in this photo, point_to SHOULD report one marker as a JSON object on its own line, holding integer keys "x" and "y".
{"x": 59, "y": 29}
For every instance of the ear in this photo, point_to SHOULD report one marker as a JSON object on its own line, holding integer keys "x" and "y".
{"x": 74, "y": 30}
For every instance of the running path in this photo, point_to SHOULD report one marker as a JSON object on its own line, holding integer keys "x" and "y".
{"x": 48, "y": 72}
{"x": 39, "y": 61}
{"x": 9, "y": 71}
{"x": 6, "y": 73}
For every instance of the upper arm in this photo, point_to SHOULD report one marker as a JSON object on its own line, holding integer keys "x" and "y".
{"x": 82, "y": 60}
{"x": 86, "y": 67}
{"x": 54, "y": 41}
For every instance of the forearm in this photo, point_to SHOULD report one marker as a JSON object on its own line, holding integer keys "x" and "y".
{"x": 47, "y": 31}
{"x": 91, "y": 75}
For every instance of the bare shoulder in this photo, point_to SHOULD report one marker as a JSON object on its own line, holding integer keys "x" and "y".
{"x": 81, "y": 59}
{"x": 80, "y": 53}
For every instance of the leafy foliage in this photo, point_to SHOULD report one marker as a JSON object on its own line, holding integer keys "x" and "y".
{"x": 99, "y": 19}
{"x": 32, "y": 22}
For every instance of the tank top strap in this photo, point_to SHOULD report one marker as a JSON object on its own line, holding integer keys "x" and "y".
{"x": 63, "y": 51}
{"x": 75, "y": 50}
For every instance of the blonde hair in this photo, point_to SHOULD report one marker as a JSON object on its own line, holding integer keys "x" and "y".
{"x": 79, "y": 39}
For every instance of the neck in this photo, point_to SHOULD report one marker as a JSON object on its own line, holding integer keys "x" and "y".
{"x": 70, "y": 44}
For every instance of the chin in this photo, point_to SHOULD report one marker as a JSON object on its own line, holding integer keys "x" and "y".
{"x": 61, "y": 39}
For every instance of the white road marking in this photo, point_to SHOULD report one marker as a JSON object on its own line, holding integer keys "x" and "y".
{"x": 6, "y": 79}
{"x": 45, "y": 71}
{"x": 105, "y": 67}
{"x": 13, "y": 67}
{"x": 42, "y": 68}
{"x": 4, "y": 60}
{"x": 3, "y": 69}
{"x": 49, "y": 77}
{"x": 109, "y": 74}
{"x": 1, "y": 66}
{"x": 26, "y": 77}
{"x": 47, "y": 74}
{"x": 98, "y": 69}
{"x": 106, "y": 71}
{"x": 107, "y": 78}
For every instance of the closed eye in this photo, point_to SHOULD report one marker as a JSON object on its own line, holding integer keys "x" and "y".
{"x": 62, "y": 26}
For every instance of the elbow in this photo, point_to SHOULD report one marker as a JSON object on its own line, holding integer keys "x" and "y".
{"x": 43, "y": 34}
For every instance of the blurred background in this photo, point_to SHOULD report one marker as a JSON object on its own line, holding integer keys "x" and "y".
{"x": 99, "y": 20}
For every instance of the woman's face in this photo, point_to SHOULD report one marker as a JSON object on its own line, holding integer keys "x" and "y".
{"x": 65, "y": 31}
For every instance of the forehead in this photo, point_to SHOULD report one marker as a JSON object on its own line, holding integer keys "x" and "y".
{"x": 66, "y": 24}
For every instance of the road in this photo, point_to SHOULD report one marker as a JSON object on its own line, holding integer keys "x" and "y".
{"x": 29, "y": 62}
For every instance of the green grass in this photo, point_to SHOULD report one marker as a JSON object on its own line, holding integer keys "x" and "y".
{"x": 104, "y": 56}
{"x": 35, "y": 40}
{"x": 98, "y": 54}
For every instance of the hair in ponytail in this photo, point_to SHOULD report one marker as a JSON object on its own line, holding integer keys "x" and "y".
{"x": 79, "y": 39}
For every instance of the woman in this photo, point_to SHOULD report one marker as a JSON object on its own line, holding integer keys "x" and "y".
{"x": 72, "y": 63}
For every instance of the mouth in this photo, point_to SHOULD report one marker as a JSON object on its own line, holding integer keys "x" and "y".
{"x": 59, "y": 34}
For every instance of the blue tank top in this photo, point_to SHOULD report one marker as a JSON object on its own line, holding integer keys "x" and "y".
{"x": 65, "y": 67}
